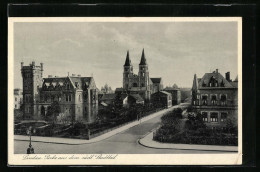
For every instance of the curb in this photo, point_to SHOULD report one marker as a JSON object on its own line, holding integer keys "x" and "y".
{"x": 176, "y": 148}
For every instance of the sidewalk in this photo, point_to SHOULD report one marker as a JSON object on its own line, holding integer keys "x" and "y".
{"x": 69, "y": 141}
{"x": 148, "y": 141}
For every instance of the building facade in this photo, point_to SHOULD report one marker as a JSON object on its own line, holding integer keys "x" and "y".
{"x": 162, "y": 98}
{"x": 215, "y": 97}
{"x": 176, "y": 95}
{"x": 77, "y": 96}
{"x": 18, "y": 98}
{"x": 140, "y": 84}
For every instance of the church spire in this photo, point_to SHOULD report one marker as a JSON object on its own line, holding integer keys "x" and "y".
{"x": 127, "y": 60}
{"x": 143, "y": 60}
{"x": 195, "y": 83}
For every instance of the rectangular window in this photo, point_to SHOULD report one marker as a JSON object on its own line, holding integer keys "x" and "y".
{"x": 205, "y": 116}
{"x": 214, "y": 117}
{"x": 67, "y": 98}
{"x": 223, "y": 116}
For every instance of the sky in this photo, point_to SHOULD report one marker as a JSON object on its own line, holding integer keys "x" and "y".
{"x": 174, "y": 51}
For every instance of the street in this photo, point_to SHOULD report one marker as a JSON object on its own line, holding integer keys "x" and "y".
{"x": 122, "y": 143}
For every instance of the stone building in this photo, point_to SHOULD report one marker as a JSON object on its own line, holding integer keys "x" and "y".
{"x": 176, "y": 94}
{"x": 162, "y": 98}
{"x": 18, "y": 98}
{"x": 140, "y": 84}
{"x": 77, "y": 96}
{"x": 215, "y": 97}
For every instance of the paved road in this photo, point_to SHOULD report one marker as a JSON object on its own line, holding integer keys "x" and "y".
{"x": 122, "y": 143}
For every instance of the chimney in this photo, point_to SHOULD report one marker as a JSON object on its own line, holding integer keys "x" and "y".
{"x": 49, "y": 76}
{"x": 228, "y": 76}
{"x": 33, "y": 63}
{"x": 79, "y": 75}
{"x": 216, "y": 70}
{"x": 73, "y": 75}
{"x": 21, "y": 65}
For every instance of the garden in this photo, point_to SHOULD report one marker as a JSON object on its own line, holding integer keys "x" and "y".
{"x": 192, "y": 130}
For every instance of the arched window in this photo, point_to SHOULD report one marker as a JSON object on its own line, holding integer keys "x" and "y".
{"x": 214, "y": 100}
{"x": 204, "y": 100}
{"x": 79, "y": 98}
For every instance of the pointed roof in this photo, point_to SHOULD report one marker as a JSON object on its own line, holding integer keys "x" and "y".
{"x": 127, "y": 60}
{"x": 195, "y": 83}
{"x": 143, "y": 60}
{"x": 175, "y": 86}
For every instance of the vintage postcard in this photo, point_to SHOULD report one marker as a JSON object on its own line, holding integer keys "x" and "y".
{"x": 125, "y": 91}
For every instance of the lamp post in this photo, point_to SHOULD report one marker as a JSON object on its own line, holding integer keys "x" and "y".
{"x": 29, "y": 132}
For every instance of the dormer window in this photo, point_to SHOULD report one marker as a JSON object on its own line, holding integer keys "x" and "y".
{"x": 77, "y": 84}
{"x": 203, "y": 84}
{"x": 222, "y": 84}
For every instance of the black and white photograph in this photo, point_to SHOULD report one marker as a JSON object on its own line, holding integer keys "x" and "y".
{"x": 125, "y": 90}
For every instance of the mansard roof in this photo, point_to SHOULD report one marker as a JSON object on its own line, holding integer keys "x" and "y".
{"x": 127, "y": 60}
{"x": 216, "y": 76}
{"x": 143, "y": 59}
{"x": 81, "y": 81}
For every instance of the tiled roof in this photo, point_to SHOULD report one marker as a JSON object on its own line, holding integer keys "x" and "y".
{"x": 137, "y": 97}
{"x": 156, "y": 80}
{"x": 164, "y": 92}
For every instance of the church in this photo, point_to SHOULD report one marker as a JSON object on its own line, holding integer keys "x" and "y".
{"x": 140, "y": 83}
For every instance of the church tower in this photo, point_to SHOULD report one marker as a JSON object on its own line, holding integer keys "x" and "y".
{"x": 128, "y": 72}
{"x": 32, "y": 81}
{"x": 144, "y": 77}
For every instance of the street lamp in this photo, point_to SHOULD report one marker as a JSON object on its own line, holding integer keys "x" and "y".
{"x": 29, "y": 132}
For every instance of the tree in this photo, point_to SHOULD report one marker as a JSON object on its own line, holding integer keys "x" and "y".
{"x": 53, "y": 111}
{"x": 231, "y": 126}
